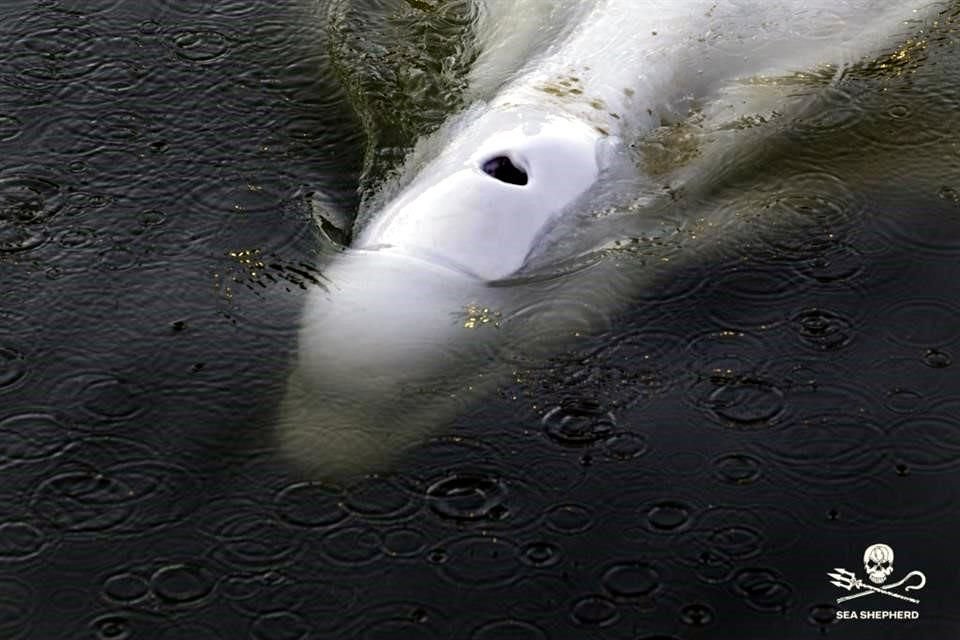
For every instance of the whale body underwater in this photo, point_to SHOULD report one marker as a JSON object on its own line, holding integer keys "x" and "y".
{"x": 444, "y": 288}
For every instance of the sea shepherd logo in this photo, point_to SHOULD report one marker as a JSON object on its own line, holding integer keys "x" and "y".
{"x": 878, "y": 565}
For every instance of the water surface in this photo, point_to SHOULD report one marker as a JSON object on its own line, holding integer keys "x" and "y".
{"x": 757, "y": 419}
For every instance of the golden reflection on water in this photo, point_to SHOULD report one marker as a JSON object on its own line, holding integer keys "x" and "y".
{"x": 477, "y": 316}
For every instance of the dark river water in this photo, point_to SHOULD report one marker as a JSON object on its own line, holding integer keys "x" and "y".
{"x": 754, "y": 422}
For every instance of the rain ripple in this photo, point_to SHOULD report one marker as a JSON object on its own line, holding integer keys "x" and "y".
{"x": 20, "y": 541}
{"x": 17, "y": 600}
{"x": 108, "y": 483}
{"x": 508, "y": 630}
{"x": 469, "y": 497}
{"x": 763, "y": 590}
{"x": 32, "y": 436}
{"x": 481, "y": 562}
{"x": 832, "y": 452}
{"x": 631, "y": 580}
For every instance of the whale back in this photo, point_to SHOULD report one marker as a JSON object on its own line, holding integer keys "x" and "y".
{"x": 630, "y": 63}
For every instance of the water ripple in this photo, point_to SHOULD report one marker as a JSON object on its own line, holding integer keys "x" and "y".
{"x": 512, "y": 629}
{"x": 481, "y": 562}
{"x": 469, "y": 497}
{"x": 200, "y": 45}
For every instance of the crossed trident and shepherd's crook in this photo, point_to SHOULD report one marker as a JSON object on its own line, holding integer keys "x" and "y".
{"x": 848, "y": 580}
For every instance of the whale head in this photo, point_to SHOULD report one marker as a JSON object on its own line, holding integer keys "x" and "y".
{"x": 483, "y": 203}
{"x": 408, "y": 324}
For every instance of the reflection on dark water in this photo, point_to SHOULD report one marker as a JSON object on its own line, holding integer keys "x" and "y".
{"x": 756, "y": 421}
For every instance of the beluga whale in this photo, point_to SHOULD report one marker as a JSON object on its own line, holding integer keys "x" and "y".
{"x": 481, "y": 252}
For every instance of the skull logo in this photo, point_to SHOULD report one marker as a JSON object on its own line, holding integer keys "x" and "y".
{"x": 878, "y": 562}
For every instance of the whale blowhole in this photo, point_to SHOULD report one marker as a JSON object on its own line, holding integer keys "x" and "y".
{"x": 505, "y": 170}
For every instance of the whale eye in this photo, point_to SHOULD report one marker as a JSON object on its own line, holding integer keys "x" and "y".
{"x": 503, "y": 169}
